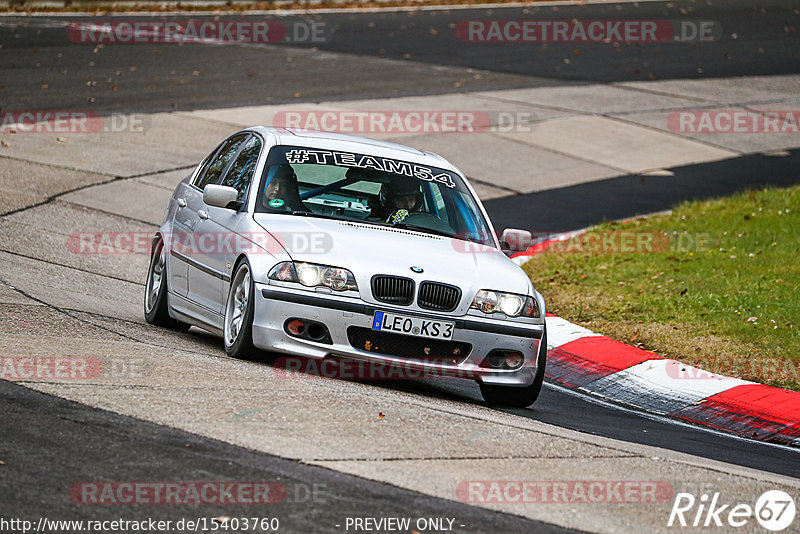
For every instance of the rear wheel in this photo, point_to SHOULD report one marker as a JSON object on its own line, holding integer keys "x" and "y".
{"x": 519, "y": 397}
{"x": 156, "y": 300}
{"x": 239, "y": 311}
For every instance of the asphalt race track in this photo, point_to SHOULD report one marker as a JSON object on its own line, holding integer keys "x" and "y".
{"x": 376, "y": 55}
{"x": 195, "y": 414}
{"x": 91, "y": 443}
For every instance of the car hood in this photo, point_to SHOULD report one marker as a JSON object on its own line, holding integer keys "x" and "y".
{"x": 368, "y": 250}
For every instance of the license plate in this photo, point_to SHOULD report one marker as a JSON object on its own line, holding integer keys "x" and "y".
{"x": 412, "y": 326}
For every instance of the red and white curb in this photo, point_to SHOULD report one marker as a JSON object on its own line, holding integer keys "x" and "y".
{"x": 580, "y": 359}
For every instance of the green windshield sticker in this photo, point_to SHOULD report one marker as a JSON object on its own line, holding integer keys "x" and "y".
{"x": 276, "y": 203}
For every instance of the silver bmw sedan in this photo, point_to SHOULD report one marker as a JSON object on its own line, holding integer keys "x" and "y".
{"x": 317, "y": 246}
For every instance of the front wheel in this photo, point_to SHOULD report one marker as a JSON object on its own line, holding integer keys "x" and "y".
{"x": 239, "y": 310}
{"x": 156, "y": 305}
{"x": 515, "y": 396}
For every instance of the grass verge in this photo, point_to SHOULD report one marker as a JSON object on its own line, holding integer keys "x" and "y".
{"x": 714, "y": 284}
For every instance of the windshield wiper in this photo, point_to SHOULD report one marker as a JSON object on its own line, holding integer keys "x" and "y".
{"x": 305, "y": 213}
{"x": 403, "y": 225}
{"x": 423, "y": 229}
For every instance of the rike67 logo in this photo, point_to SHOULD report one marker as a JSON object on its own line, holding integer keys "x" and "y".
{"x": 774, "y": 510}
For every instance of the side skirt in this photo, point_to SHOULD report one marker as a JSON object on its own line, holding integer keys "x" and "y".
{"x": 190, "y": 312}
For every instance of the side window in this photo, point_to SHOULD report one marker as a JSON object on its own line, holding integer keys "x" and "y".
{"x": 241, "y": 172}
{"x": 204, "y": 166}
{"x": 221, "y": 160}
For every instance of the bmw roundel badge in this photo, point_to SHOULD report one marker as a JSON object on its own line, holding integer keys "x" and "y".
{"x": 417, "y": 269}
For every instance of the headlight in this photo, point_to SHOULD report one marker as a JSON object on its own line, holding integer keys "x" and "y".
{"x": 308, "y": 274}
{"x": 510, "y": 304}
{"x": 313, "y": 275}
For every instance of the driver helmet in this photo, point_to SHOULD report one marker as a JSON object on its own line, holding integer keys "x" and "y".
{"x": 402, "y": 193}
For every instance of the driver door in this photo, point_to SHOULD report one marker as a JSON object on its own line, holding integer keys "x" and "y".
{"x": 221, "y": 223}
{"x": 206, "y": 281}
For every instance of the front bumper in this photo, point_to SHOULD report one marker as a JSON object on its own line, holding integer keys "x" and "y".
{"x": 275, "y": 305}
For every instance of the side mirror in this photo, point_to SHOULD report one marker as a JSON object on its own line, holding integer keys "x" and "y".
{"x": 514, "y": 240}
{"x": 220, "y": 196}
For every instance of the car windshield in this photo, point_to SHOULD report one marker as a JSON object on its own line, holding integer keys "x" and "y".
{"x": 323, "y": 183}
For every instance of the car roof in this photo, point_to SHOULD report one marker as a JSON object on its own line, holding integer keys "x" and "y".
{"x": 353, "y": 143}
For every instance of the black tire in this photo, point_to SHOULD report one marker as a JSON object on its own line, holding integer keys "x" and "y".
{"x": 240, "y": 344}
{"x": 519, "y": 397}
{"x": 156, "y": 300}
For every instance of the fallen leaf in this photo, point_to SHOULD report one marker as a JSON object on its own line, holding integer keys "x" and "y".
{"x": 45, "y": 86}
{"x": 380, "y": 415}
{"x": 61, "y": 139}
{"x": 752, "y": 319}
{"x": 4, "y": 143}
{"x": 657, "y": 275}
